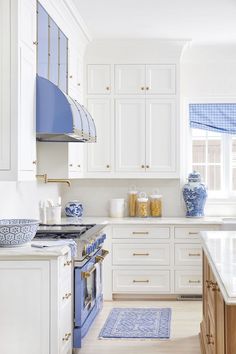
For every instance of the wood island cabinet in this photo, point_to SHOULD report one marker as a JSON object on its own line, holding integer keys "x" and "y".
{"x": 218, "y": 327}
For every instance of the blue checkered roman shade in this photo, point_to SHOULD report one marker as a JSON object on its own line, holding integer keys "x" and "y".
{"x": 218, "y": 117}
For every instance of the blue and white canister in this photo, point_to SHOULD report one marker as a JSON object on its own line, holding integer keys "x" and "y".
{"x": 74, "y": 209}
{"x": 195, "y": 195}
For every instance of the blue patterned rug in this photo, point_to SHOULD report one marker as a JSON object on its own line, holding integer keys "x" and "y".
{"x": 140, "y": 323}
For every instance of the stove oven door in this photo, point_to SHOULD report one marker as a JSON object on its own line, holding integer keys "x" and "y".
{"x": 88, "y": 287}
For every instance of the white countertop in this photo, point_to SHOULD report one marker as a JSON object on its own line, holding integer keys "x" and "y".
{"x": 28, "y": 252}
{"x": 146, "y": 221}
{"x": 220, "y": 249}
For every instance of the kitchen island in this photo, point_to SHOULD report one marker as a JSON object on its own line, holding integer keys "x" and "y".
{"x": 218, "y": 327}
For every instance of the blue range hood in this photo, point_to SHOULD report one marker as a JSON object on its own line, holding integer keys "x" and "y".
{"x": 60, "y": 118}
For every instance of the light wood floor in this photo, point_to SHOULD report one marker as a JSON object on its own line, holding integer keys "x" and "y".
{"x": 186, "y": 318}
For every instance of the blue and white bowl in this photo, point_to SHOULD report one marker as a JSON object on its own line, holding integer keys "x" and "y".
{"x": 74, "y": 209}
{"x": 17, "y": 232}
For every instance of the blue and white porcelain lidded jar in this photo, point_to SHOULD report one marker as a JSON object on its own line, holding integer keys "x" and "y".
{"x": 74, "y": 209}
{"x": 195, "y": 194}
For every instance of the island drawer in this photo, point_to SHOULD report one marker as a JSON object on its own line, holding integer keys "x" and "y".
{"x": 192, "y": 232}
{"x": 141, "y": 281}
{"x": 141, "y": 231}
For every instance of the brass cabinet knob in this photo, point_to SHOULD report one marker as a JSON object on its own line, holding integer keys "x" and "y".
{"x": 71, "y": 164}
{"x": 66, "y": 337}
{"x": 142, "y": 166}
{"x": 78, "y": 166}
{"x": 147, "y": 166}
{"x": 78, "y": 84}
{"x": 147, "y": 88}
{"x": 35, "y": 42}
{"x": 108, "y": 166}
{"x": 66, "y": 296}
{"x": 67, "y": 263}
{"x": 71, "y": 76}
{"x": 107, "y": 88}
{"x": 142, "y": 88}
{"x": 34, "y": 162}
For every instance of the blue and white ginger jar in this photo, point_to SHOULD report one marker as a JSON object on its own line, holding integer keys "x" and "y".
{"x": 195, "y": 194}
{"x": 74, "y": 209}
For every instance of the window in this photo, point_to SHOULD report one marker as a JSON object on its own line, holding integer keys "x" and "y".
{"x": 214, "y": 157}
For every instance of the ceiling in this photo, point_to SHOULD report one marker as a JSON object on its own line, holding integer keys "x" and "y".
{"x": 199, "y": 20}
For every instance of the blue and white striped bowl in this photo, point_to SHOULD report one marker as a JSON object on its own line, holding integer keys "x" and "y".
{"x": 17, "y": 232}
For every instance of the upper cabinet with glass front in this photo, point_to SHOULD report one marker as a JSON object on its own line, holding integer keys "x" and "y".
{"x": 145, "y": 79}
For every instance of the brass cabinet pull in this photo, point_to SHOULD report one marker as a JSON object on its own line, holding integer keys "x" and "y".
{"x": 194, "y": 254}
{"x": 34, "y": 162}
{"x": 107, "y": 88}
{"x": 67, "y": 263}
{"x": 66, "y": 337}
{"x": 147, "y": 88}
{"x": 142, "y": 88}
{"x": 108, "y": 166}
{"x": 193, "y": 233}
{"x": 209, "y": 341}
{"x": 141, "y": 281}
{"x": 35, "y": 42}
{"x": 142, "y": 166}
{"x": 140, "y": 233}
{"x": 66, "y": 296}
{"x": 78, "y": 84}
{"x": 78, "y": 166}
{"x": 141, "y": 254}
{"x": 71, "y": 164}
{"x": 71, "y": 76}
{"x": 194, "y": 281}
{"x": 208, "y": 283}
{"x": 147, "y": 166}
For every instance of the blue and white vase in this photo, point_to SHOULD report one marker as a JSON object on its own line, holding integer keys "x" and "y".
{"x": 74, "y": 209}
{"x": 195, "y": 194}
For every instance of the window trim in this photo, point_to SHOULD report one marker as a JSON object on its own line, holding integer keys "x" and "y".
{"x": 226, "y": 197}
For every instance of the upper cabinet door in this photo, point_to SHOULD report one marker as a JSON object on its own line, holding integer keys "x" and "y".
{"x": 99, "y": 79}
{"x": 63, "y": 67}
{"x": 100, "y": 153}
{"x": 130, "y": 135}
{"x": 130, "y": 79}
{"x": 43, "y": 42}
{"x": 160, "y": 79}
{"x": 27, "y": 23}
{"x": 160, "y": 135}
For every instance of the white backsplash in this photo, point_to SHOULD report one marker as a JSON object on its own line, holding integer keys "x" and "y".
{"x": 95, "y": 194}
{"x": 21, "y": 199}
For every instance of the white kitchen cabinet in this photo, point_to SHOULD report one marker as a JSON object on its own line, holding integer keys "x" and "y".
{"x": 130, "y": 79}
{"x": 100, "y": 154}
{"x": 60, "y": 160}
{"x": 145, "y": 79}
{"x": 130, "y": 135}
{"x": 161, "y": 135}
{"x": 34, "y": 317}
{"x": 188, "y": 281}
{"x": 160, "y": 79}
{"x": 17, "y": 96}
{"x": 75, "y": 73}
{"x": 99, "y": 79}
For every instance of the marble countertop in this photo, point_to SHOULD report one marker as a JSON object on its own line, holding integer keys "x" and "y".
{"x": 220, "y": 249}
{"x": 28, "y": 252}
{"x": 147, "y": 221}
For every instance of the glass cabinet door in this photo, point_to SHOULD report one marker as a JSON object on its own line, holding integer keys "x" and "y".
{"x": 63, "y": 59}
{"x": 53, "y": 52}
{"x": 43, "y": 42}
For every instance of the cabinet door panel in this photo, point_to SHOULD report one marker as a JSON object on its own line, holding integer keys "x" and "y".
{"x": 160, "y": 135}
{"x": 130, "y": 79}
{"x": 130, "y": 135}
{"x": 100, "y": 153}
{"x": 63, "y": 57}
{"x": 99, "y": 79}
{"x": 27, "y": 110}
{"x": 43, "y": 42}
{"x": 27, "y": 20}
{"x": 31, "y": 281}
{"x": 160, "y": 79}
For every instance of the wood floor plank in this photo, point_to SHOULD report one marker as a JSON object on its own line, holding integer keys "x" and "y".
{"x": 186, "y": 318}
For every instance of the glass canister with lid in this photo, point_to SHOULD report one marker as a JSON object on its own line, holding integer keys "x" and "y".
{"x": 156, "y": 204}
{"x": 132, "y": 200}
{"x": 142, "y": 205}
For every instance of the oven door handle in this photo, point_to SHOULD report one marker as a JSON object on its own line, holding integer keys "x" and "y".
{"x": 98, "y": 259}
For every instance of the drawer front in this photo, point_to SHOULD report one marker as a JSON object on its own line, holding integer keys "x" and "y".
{"x": 192, "y": 232}
{"x": 141, "y": 232}
{"x": 188, "y": 282}
{"x": 188, "y": 254}
{"x": 141, "y": 254}
{"x": 141, "y": 281}
{"x": 65, "y": 321}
